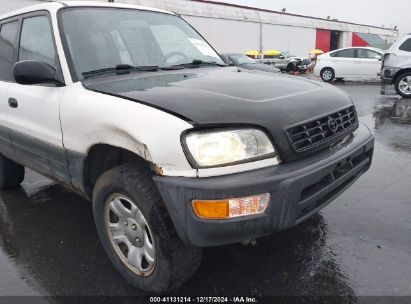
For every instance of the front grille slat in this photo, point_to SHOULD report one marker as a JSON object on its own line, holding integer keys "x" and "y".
{"x": 319, "y": 131}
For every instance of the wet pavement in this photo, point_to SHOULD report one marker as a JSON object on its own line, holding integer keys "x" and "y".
{"x": 360, "y": 245}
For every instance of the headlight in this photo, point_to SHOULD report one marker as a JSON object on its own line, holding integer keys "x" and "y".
{"x": 225, "y": 147}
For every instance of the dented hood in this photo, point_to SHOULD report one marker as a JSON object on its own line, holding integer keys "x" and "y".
{"x": 228, "y": 96}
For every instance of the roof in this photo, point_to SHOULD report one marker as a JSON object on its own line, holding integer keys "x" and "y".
{"x": 55, "y": 5}
{"x": 359, "y": 47}
{"x": 108, "y": 4}
{"x": 372, "y": 39}
{"x": 284, "y": 13}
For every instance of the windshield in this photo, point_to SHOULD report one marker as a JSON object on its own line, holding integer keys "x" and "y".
{"x": 288, "y": 54}
{"x": 241, "y": 59}
{"x": 103, "y": 38}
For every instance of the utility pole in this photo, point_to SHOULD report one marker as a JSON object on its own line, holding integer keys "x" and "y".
{"x": 261, "y": 32}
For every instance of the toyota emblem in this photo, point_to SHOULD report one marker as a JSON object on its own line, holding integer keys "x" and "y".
{"x": 333, "y": 124}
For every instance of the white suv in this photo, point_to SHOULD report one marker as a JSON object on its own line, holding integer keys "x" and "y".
{"x": 131, "y": 108}
{"x": 396, "y": 66}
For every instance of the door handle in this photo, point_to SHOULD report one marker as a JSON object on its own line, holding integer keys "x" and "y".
{"x": 13, "y": 103}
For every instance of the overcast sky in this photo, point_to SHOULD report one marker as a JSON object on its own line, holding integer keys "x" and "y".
{"x": 372, "y": 12}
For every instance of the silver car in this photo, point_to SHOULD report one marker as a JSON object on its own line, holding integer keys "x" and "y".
{"x": 288, "y": 62}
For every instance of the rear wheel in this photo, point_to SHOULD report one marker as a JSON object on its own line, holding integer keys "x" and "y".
{"x": 137, "y": 233}
{"x": 327, "y": 74}
{"x": 11, "y": 174}
{"x": 403, "y": 85}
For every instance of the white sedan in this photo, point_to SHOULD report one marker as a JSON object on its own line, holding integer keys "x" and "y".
{"x": 354, "y": 62}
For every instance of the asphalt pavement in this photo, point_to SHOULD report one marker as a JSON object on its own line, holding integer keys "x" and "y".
{"x": 359, "y": 245}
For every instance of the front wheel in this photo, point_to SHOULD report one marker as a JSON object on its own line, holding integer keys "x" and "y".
{"x": 137, "y": 233}
{"x": 327, "y": 74}
{"x": 403, "y": 85}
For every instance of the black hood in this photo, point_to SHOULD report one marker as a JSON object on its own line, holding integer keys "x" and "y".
{"x": 229, "y": 96}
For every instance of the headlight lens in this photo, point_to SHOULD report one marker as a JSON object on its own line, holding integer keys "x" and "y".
{"x": 215, "y": 148}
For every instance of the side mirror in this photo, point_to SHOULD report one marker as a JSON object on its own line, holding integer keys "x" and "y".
{"x": 35, "y": 72}
{"x": 378, "y": 57}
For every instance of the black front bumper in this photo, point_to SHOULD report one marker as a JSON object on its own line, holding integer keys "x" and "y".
{"x": 298, "y": 190}
{"x": 388, "y": 74}
{"x": 387, "y": 80}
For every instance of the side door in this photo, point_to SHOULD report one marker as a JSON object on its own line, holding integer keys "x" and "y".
{"x": 281, "y": 61}
{"x": 368, "y": 63}
{"x": 343, "y": 63}
{"x": 8, "y": 40}
{"x": 34, "y": 117}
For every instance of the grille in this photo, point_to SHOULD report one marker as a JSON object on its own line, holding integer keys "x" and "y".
{"x": 319, "y": 131}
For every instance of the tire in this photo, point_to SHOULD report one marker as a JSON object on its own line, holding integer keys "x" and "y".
{"x": 403, "y": 85}
{"x": 291, "y": 67}
{"x": 174, "y": 262}
{"x": 327, "y": 74}
{"x": 11, "y": 174}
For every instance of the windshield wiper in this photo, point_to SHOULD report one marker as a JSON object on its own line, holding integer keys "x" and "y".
{"x": 194, "y": 64}
{"x": 120, "y": 69}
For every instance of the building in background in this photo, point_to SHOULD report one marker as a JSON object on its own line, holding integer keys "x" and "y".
{"x": 235, "y": 28}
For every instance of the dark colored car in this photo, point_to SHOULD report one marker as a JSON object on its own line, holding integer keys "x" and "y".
{"x": 246, "y": 62}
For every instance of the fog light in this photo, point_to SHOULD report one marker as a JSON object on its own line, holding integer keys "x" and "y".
{"x": 232, "y": 207}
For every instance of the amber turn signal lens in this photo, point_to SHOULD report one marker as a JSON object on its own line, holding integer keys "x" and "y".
{"x": 211, "y": 209}
{"x": 232, "y": 207}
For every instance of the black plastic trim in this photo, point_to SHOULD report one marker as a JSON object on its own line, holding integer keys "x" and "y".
{"x": 328, "y": 140}
{"x": 285, "y": 182}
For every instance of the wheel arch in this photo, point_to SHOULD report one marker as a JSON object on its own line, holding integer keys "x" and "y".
{"x": 400, "y": 72}
{"x": 102, "y": 157}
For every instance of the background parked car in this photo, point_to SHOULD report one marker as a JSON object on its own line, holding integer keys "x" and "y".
{"x": 396, "y": 66}
{"x": 253, "y": 54}
{"x": 286, "y": 61}
{"x": 245, "y": 62}
{"x": 355, "y": 62}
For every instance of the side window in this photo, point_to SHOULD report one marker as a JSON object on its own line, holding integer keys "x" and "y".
{"x": 406, "y": 46}
{"x": 366, "y": 54}
{"x": 347, "y": 53}
{"x": 279, "y": 56}
{"x": 8, "y": 37}
{"x": 36, "y": 42}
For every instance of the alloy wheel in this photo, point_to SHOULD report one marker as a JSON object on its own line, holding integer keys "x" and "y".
{"x": 405, "y": 85}
{"x": 327, "y": 75}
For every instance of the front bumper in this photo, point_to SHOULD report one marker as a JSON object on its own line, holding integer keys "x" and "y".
{"x": 298, "y": 190}
{"x": 387, "y": 80}
{"x": 387, "y": 74}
